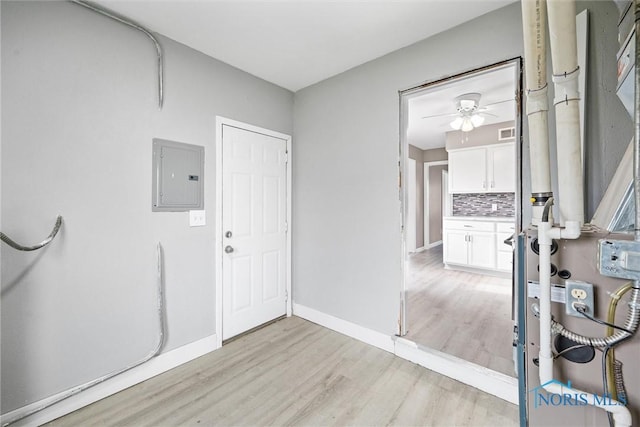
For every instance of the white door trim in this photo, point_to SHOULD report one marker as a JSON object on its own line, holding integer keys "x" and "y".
{"x": 425, "y": 200}
{"x": 220, "y": 122}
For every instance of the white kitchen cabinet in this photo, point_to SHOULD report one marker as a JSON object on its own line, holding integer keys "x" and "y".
{"x": 467, "y": 170}
{"x": 469, "y": 243}
{"x": 504, "y": 253}
{"x": 455, "y": 247}
{"x": 501, "y": 168}
{"x": 482, "y": 250}
{"x": 485, "y": 169}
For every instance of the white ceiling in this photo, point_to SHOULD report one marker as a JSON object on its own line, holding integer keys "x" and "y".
{"x": 496, "y": 85}
{"x": 295, "y": 44}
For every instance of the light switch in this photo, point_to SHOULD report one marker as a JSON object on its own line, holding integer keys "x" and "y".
{"x": 197, "y": 218}
{"x": 494, "y": 206}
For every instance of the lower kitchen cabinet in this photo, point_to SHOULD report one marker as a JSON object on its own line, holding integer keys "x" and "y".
{"x": 482, "y": 250}
{"x": 475, "y": 244}
{"x": 504, "y": 252}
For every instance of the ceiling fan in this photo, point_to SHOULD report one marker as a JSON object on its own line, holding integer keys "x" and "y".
{"x": 469, "y": 114}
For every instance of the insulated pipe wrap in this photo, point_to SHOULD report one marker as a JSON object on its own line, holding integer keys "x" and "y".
{"x": 534, "y": 17}
{"x": 564, "y": 54}
{"x": 566, "y": 87}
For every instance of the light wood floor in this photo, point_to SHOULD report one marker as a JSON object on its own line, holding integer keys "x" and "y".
{"x": 294, "y": 372}
{"x": 463, "y": 314}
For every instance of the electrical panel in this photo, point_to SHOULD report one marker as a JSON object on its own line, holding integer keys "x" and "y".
{"x": 178, "y": 176}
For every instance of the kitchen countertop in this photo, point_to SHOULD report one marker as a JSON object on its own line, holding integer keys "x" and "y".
{"x": 482, "y": 218}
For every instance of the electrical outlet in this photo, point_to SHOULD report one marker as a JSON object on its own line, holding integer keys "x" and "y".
{"x": 579, "y": 295}
{"x": 494, "y": 206}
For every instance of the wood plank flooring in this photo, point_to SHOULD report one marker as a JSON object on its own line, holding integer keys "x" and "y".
{"x": 463, "y": 314}
{"x": 296, "y": 373}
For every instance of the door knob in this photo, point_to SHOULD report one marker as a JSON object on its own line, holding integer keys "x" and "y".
{"x": 228, "y": 249}
{"x": 228, "y": 234}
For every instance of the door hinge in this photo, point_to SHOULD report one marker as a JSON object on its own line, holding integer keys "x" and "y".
{"x": 286, "y": 157}
{"x": 286, "y": 226}
{"x": 286, "y": 296}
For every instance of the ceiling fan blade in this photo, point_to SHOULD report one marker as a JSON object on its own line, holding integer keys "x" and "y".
{"x": 499, "y": 102}
{"x": 487, "y": 114}
{"x": 441, "y": 115}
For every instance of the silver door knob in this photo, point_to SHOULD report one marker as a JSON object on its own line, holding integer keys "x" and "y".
{"x": 228, "y": 249}
{"x": 228, "y": 234}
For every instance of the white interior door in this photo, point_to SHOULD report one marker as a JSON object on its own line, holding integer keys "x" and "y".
{"x": 254, "y": 225}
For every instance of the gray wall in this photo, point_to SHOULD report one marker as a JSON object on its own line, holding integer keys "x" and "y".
{"x": 435, "y": 155}
{"x": 484, "y": 135}
{"x": 347, "y": 251}
{"x": 79, "y": 111}
{"x": 416, "y": 154}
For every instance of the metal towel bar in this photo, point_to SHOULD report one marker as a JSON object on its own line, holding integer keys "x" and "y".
{"x": 42, "y": 244}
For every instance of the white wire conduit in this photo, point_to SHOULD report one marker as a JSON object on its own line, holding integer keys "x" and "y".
{"x": 124, "y": 20}
{"x": 156, "y": 350}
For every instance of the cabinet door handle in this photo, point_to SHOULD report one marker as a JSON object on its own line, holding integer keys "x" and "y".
{"x": 484, "y": 185}
{"x": 493, "y": 184}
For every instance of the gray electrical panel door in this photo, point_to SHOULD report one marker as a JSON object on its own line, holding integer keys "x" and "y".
{"x": 178, "y": 176}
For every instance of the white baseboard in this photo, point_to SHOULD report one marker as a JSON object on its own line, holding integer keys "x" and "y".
{"x": 153, "y": 367}
{"x": 434, "y": 244}
{"x": 366, "y": 335}
{"x": 483, "y": 271}
{"x": 492, "y": 382}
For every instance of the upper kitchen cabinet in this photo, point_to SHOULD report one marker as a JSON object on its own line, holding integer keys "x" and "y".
{"x": 485, "y": 169}
{"x": 501, "y": 168}
{"x": 468, "y": 170}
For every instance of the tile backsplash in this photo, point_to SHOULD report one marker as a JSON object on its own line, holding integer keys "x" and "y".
{"x": 479, "y": 204}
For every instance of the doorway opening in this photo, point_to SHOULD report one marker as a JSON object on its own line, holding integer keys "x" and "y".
{"x": 463, "y": 134}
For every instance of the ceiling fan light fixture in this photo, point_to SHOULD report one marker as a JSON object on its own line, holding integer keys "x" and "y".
{"x": 467, "y": 125}
{"x": 477, "y": 120}
{"x": 467, "y": 105}
{"x": 456, "y": 124}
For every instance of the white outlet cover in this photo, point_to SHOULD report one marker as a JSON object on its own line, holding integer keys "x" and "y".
{"x": 197, "y": 218}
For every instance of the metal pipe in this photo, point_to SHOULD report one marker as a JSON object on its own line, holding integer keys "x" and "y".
{"x": 124, "y": 20}
{"x": 152, "y": 354}
{"x": 42, "y": 244}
